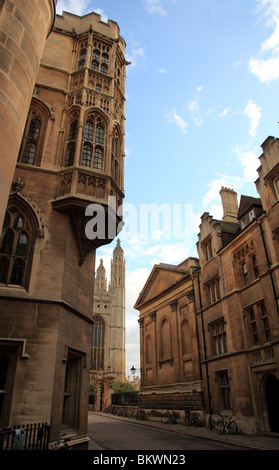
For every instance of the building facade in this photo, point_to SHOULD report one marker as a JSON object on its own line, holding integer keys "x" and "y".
{"x": 108, "y": 338}
{"x": 169, "y": 354}
{"x": 71, "y": 156}
{"x": 235, "y": 317}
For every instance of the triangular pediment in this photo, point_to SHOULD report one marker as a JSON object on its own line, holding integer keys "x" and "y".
{"x": 161, "y": 278}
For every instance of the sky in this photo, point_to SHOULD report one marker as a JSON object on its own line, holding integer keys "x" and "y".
{"x": 201, "y": 98}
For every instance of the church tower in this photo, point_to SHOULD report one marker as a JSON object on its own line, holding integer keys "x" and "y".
{"x": 117, "y": 308}
{"x": 108, "y": 334}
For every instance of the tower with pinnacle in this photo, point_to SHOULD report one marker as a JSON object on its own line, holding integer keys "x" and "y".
{"x": 108, "y": 334}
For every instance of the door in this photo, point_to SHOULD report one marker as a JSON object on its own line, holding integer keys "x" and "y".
{"x": 272, "y": 399}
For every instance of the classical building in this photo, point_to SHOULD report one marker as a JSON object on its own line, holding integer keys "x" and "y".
{"x": 108, "y": 338}
{"x": 233, "y": 320}
{"x": 71, "y": 157}
{"x": 169, "y": 353}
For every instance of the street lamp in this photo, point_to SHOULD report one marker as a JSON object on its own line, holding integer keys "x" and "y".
{"x": 133, "y": 370}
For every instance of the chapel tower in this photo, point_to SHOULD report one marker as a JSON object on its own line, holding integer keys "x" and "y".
{"x": 108, "y": 338}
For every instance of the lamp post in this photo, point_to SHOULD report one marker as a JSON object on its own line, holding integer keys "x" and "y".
{"x": 133, "y": 370}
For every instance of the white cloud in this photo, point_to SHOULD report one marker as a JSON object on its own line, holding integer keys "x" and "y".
{"x": 177, "y": 120}
{"x": 136, "y": 56}
{"x": 267, "y": 69}
{"x": 154, "y": 6}
{"x": 195, "y": 112}
{"x": 212, "y": 196}
{"x": 224, "y": 112}
{"x": 162, "y": 70}
{"x": 79, "y": 8}
{"x": 254, "y": 114}
{"x": 250, "y": 163}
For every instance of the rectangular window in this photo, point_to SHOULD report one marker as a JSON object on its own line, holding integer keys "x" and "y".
{"x": 219, "y": 337}
{"x": 253, "y": 326}
{"x": 264, "y": 317}
{"x": 222, "y": 378}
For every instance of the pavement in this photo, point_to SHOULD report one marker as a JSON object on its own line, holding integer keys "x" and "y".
{"x": 268, "y": 441}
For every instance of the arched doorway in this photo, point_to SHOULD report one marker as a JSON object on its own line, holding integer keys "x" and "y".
{"x": 272, "y": 400}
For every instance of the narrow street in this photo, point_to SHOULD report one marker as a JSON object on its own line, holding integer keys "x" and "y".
{"x": 109, "y": 433}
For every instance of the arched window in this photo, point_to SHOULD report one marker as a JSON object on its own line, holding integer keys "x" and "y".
{"x": 98, "y": 344}
{"x": 93, "y": 142}
{"x": 82, "y": 53}
{"x": 276, "y": 186}
{"x": 86, "y": 154}
{"x": 88, "y": 131}
{"x": 116, "y": 154}
{"x": 95, "y": 65}
{"x": 16, "y": 247}
{"x": 98, "y": 158}
{"x": 34, "y": 134}
{"x": 104, "y": 68}
{"x": 30, "y": 148}
{"x": 81, "y": 64}
{"x": 71, "y": 141}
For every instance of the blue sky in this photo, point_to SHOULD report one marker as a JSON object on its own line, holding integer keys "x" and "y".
{"x": 201, "y": 98}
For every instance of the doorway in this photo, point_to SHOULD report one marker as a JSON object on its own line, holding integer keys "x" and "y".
{"x": 272, "y": 400}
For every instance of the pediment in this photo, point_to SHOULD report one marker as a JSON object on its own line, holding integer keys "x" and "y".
{"x": 161, "y": 278}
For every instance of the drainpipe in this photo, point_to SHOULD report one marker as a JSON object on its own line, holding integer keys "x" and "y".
{"x": 205, "y": 354}
{"x": 269, "y": 270}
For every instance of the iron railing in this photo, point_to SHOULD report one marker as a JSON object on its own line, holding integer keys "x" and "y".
{"x": 125, "y": 399}
{"x": 25, "y": 437}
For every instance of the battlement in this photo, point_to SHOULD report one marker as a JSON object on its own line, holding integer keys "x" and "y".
{"x": 68, "y": 22}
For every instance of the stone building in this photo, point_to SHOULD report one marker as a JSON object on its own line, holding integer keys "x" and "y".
{"x": 169, "y": 353}
{"x": 233, "y": 340}
{"x": 108, "y": 338}
{"x": 71, "y": 156}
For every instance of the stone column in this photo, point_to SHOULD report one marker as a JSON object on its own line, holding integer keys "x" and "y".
{"x": 24, "y": 27}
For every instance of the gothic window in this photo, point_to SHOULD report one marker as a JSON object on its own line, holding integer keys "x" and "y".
{"x": 207, "y": 249}
{"x": 82, "y": 53}
{"x": 95, "y": 65}
{"x": 16, "y": 248}
{"x": 71, "y": 141}
{"x": 218, "y": 337}
{"x": 98, "y": 158}
{"x": 104, "y": 68}
{"x": 34, "y": 133}
{"x": 98, "y": 344}
{"x": 93, "y": 143}
{"x": 87, "y": 154}
{"x": 276, "y": 187}
{"x": 100, "y": 58}
{"x": 81, "y": 64}
{"x": 115, "y": 155}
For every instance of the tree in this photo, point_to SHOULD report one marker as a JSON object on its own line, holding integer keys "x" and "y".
{"x": 122, "y": 387}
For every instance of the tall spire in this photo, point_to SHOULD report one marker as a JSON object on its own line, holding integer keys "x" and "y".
{"x": 101, "y": 279}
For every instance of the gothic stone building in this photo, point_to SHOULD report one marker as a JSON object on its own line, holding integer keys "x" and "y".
{"x": 71, "y": 156}
{"x": 108, "y": 339}
{"x": 232, "y": 333}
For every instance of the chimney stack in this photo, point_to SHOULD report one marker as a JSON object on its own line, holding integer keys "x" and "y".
{"x": 230, "y": 204}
